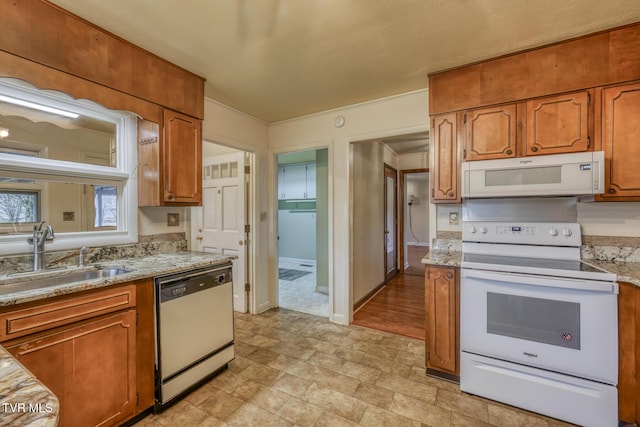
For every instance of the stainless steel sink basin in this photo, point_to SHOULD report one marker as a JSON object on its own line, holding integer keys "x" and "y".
{"x": 61, "y": 278}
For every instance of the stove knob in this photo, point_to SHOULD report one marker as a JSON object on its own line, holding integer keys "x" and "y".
{"x": 483, "y": 230}
{"x": 566, "y": 232}
{"x": 473, "y": 229}
{"x": 553, "y": 231}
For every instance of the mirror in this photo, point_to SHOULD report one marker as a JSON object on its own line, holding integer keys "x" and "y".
{"x": 56, "y": 158}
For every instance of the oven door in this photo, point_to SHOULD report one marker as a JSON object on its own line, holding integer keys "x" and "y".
{"x": 562, "y": 325}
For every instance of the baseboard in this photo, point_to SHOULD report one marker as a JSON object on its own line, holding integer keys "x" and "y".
{"x": 362, "y": 301}
{"x": 338, "y": 318}
{"x": 264, "y": 307}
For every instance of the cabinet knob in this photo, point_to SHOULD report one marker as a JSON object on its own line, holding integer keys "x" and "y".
{"x": 509, "y": 152}
{"x": 450, "y": 194}
{"x": 449, "y": 275}
{"x": 534, "y": 149}
{"x": 612, "y": 191}
{"x": 170, "y": 196}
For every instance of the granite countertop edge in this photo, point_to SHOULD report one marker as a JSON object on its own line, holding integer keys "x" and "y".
{"x": 628, "y": 272}
{"x": 19, "y": 388}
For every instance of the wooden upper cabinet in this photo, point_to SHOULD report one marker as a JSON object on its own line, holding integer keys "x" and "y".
{"x": 620, "y": 141}
{"x": 558, "y": 124}
{"x": 490, "y": 133}
{"x": 445, "y": 180}
{"x": 182, "y": 159}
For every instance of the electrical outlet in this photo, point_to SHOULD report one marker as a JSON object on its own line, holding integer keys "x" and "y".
{"x": 453, "y": 218}
{"x": 173, "y": 219}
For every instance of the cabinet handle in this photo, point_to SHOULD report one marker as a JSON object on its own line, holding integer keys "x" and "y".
{"x": 509, "y": 152}
{"x": 199, "y": 238}
{"x": 170, "y": 196}
{"x": 534, "y": 149}
{"x": 612, "y": 191}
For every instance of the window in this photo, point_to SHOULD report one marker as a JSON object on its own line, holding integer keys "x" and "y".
{"x": 73, "y": 168}
{"x": 19, "y": 207}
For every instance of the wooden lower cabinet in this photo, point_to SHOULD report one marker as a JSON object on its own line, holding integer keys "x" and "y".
{"x": 442, "y": 328}
{"x": 93, "y": 350}
{"x": 629, "y": 353}
{"x": 90, "y": 366}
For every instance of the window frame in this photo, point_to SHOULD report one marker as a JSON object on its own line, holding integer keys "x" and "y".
{"x": 123, "y": 175}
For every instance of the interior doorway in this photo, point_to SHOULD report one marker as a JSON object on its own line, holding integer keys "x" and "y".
{"x": 414, "y": 215}
{"x": 222, "y": 225}
{"x": 303, "y": 231}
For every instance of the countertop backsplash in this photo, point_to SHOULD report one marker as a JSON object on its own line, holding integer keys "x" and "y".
{"x": 175, "y": 242}
{"x": 610, "y": 248}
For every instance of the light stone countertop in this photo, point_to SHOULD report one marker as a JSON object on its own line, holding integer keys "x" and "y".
{"x": 19, "y": 388}
{"x": 443, "y": 257}
{"x": 24, "y": 401}
{"x": 143, "y": 267}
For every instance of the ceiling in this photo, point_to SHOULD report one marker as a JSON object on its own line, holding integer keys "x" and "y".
{"x": 280, "y": 59}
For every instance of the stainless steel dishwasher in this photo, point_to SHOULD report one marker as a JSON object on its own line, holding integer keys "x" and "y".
{"x": 194, "y": 329}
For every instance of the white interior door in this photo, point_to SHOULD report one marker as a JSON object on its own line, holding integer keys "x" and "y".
{"x": 223, "y": 217}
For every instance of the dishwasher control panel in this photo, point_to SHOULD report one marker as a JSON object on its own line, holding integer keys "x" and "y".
{"x": 189, "y": 282}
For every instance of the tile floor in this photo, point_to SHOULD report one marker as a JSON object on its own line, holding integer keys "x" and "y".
{"x": 296, "y": 369}
{"x": 300, "y": 294}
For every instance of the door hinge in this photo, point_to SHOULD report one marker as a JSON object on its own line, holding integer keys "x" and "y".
{"x": 247, "y": 287}
{"x": 464, "y": 153}
{"x": 588, "y": 142}
{"x": 137, "y": 399}
{"x": 464, "y": 118}
{"x": 433, "y": 193}
{"x": 137, "y": 317}
{"x": 428, "y": 355}
{"x": 588, "y": 98}
{"x": 247, "y": 228}
{"x": 247, "y": 170}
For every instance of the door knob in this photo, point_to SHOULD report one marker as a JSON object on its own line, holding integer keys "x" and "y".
{"x": 240, "y": 242}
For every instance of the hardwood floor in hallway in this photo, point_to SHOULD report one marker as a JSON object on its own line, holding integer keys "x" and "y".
{"x": 398, "y": 308}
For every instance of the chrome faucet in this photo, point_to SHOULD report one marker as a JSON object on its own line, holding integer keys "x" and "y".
{"x": 81, "y": 253}
{"x": 40, "y": 236}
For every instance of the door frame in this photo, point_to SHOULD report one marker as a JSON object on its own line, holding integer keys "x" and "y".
{"x": 390, "y": 171}
{"x": 403, "y": 202}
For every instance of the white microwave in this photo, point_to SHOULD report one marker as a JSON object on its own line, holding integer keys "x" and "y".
{"x": 572, "y": 174}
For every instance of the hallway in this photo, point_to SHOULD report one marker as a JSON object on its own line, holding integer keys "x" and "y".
{"x": 398, "y": 308}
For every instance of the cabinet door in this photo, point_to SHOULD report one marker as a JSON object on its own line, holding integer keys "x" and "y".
{"x": 182, "y": 159}
{"x": 295, "y": 181}
{"x": 558, "y": 124}
{"x": 621, "y": 141}
{"x": 310, "y": 192}
{"x": 442, "y": 304}
{"x": 490, "y": 133}
{"x": 446, "y": 160}
{"x": 90, "y": 367}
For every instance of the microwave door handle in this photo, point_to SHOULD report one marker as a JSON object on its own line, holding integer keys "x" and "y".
{"x": 544, "y": 281}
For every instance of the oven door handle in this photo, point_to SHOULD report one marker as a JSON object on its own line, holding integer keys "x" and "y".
{"x": 545, "y": 281}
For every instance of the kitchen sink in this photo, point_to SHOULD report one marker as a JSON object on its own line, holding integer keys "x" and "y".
{"x": 61, "y": 279}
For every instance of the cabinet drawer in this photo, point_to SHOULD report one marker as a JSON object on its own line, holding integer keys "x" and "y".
{"x": 26, "y": 321}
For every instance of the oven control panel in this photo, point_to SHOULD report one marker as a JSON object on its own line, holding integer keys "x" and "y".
{"x": 531, "y": 233}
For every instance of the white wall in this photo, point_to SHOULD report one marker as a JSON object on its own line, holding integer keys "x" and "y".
{"x": 402, "y": 114}
{"x": 225, "y": 126}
